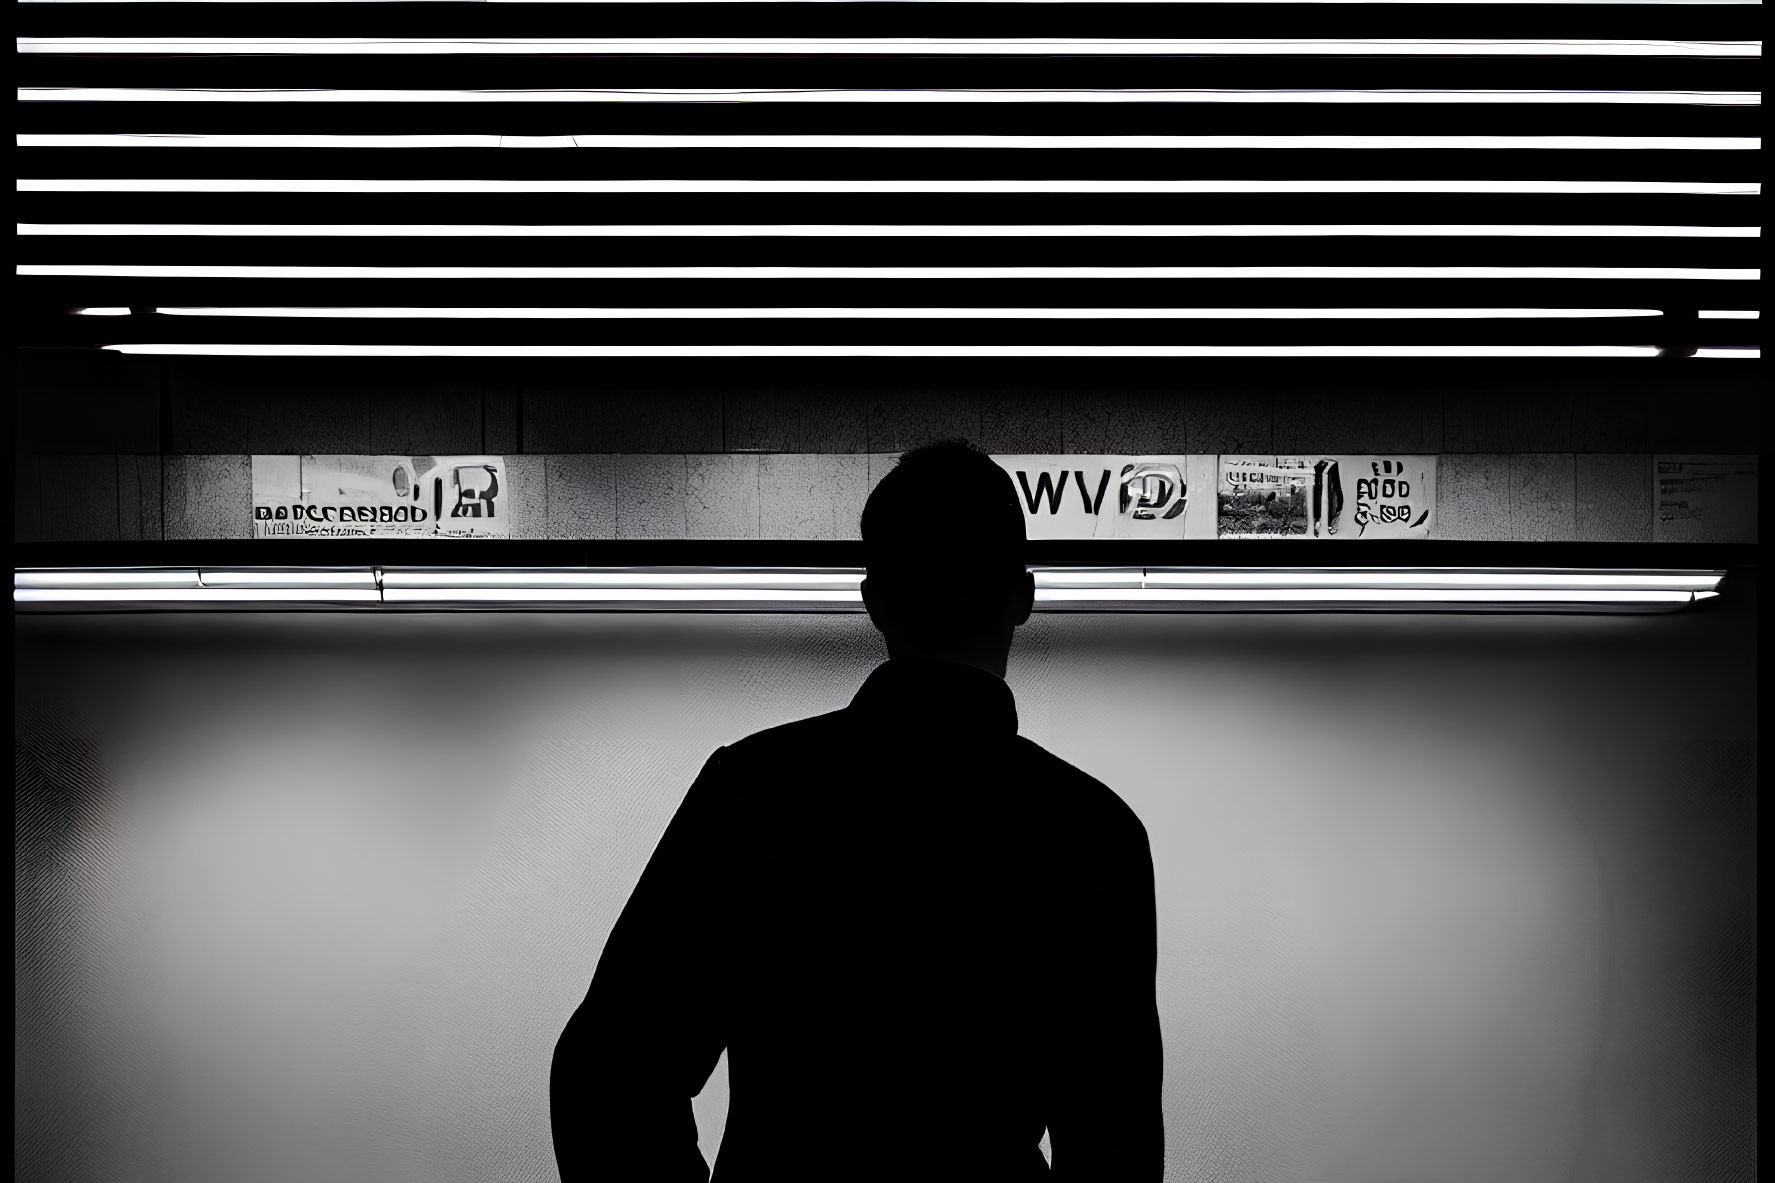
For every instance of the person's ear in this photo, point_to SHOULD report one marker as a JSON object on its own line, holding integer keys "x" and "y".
{"x": 1025, "y": 601}
{"x": 872, "y": 603}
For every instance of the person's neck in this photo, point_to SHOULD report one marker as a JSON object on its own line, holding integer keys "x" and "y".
{"x": 992, "y": 660}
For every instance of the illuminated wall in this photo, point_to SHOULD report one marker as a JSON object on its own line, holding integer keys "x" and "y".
{"x": 116, "y": 448}
{"x": 1460, "y": 898}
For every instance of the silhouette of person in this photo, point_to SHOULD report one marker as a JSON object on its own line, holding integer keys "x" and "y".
{"x": 920, "y": 938}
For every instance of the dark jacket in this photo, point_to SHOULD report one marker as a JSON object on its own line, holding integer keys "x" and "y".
{"x": 921, "y": 939}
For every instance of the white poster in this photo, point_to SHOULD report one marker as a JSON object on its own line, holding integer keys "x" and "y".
{"x": 1704, "y": 499}
{"x": 1326, "y": 497}
{"x": 1114, "y": 496}
{"x": 379, "y": 497}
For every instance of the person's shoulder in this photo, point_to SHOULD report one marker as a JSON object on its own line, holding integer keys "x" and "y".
{"x": 1081, "y": 791}
{"x": 797, "y": 737}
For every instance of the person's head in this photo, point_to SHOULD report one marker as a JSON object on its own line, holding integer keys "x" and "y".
{"x": 943, "y": 539}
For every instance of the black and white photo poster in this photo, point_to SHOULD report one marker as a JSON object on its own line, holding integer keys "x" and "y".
{"x": 1327, "y": 497}
{"x": 379, "y": 497}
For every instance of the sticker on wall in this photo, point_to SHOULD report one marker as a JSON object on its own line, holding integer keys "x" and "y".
{"x": 1114, "y": 496}
{"x": 379, "y": 497}
{"x": 1326, "y": 497}
{"x": 1704, "y": 499}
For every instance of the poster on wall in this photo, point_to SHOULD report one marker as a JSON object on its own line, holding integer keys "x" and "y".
{"x": 379, "y": 497}
{"x": 1704, "y": 499}
{"x": 1326, "y": 497}
{"x": 1114, "y": 496}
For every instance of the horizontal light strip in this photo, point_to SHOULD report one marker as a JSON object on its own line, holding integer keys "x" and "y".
{"x": 1695, "y": 581}
{"x": 1712, "y": 98}
{"x": 1467, "y": 2}
{"x": 712, "y": 597}
{"x": 304, "y": 271}
{"x": 887, "y": 45}
{"x": 1338, "y": 597}
{"x": 773, "y": 599}
{"x": 830, "y": 579}
{"x": 190, "y": 580}
{"x": 469, "y": 185}
{"x": 383, "y": 313}
{"x": 804, "y": 230}
{"x": 1729, "y": 314}
{"x": 1059, "y": 598}
{"x": 1073, "y": 579}
{"x": 361, "y": 580}
{"x": 450, "y": 350}
{"x": 678, "y": 142}
{"x": 199, "y": 595}
{"x": 1720, "y": 351}
{"x": 1608, "y": 2}
{"x": 1057, "y": 589}
{"x": 1088, "y": 577}
{"x": 139, "y": 580}
{"x": 572, "y": 580}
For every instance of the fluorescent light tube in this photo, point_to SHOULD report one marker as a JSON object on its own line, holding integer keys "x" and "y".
{"x": 499, "y": 185}
{"x": 304, "y": 271}
{"x": 1713, "y": 98}
{"x": 75, "y": 580}
{"x": 1064, "y": 578}
{"x": 391, "y": 313}
{"x": 1729, "y": 314}
{"x": 1430, "y": 579}
{"x": 1401, "y": 598}
{"x": 1728, "y": 351}
{"x": 672, "y": 350}
{"x": 807, "y": 589}
{"x": 1370, "y": 47}
{"x": 822, "y": 142}
{"x": 700, "y": 581}
{"x": 1051, "y": 599}
{"x": 840, "y": 230}
{"x": 200, "y": 595}
{"x": 740, "y": 599}
{"x": 360, "y": 580}
{"x": 1610, "y": 2}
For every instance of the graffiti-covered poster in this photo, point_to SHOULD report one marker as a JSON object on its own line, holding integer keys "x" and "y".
{"x": 379, "y": 497}
{"x": 1704, "y": 499}
{"x": 1326, "y": 497}
{"x": 1114, "y": 496}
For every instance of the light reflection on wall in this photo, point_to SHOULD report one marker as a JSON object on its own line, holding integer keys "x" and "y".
{"x": 1440, "y": 898}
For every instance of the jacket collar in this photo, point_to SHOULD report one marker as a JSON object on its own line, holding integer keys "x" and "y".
{"x": 949, "y": 694}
